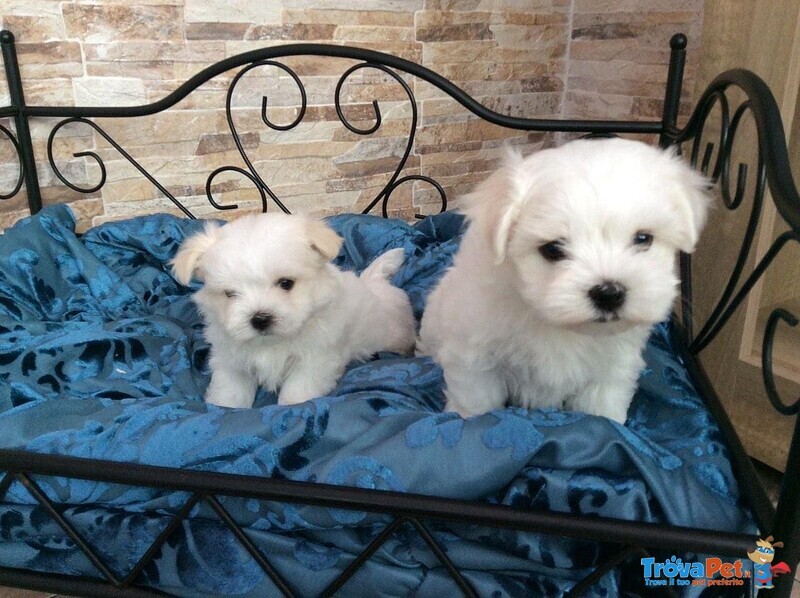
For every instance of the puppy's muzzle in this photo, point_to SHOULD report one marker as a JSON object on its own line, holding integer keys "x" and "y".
{"x": 262, "y": 321}
{"x": 608, "y": 296}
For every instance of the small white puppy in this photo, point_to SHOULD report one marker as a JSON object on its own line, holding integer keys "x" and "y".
{"x": 280, "y": 315}
{"x": 569, "y": 259}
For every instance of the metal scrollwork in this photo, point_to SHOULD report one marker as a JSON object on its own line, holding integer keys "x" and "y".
{"x": 249, "y": 171}
{"x": 766, "y": 361}
{"x": 243, "y": 172}
{"x": 703, "y": 111}
{"x": 99, "y": 160}
{"x": 253, "y": 175}
{"x": 721, "y": 173}
{"x": 413, "y": 177}
{"x": 21, "y": 175}
{"x": 378, "y": 119}
{"x": 720, "y": 314}
{"x": 385, "y": 193}
{"x": 772, "y": 171}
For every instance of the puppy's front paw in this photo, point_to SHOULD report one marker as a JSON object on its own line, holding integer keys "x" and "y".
{"x": 309, "y": 380}
{"x": 229, "y": 400}
{"x": 606, "y": 400}
{"x": 617, "y": 413}
{"x": 453, "y": 407}
{"x": 472, "y": 393}
{"x": 293, "y": 396}
{"x": 231, "y": 389}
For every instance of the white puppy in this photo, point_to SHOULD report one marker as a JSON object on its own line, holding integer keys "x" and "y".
{"x": 278, "y": 314}
{"x": 569, "y": 259}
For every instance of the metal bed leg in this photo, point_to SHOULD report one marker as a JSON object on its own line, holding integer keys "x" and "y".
{"x": 786, "y": 526}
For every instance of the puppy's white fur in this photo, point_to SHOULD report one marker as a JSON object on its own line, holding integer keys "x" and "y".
{"x": 507, "y": 324}
{"x": 325, "y": 320}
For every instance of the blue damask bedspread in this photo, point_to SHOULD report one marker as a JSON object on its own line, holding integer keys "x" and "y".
{"x": 102, "y": 356}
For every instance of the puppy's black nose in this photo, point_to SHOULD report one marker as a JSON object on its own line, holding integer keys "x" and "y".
{"x": 261, "y": 321}
{"x": 608, "y": 296}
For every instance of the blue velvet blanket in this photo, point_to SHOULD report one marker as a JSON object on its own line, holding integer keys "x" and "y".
{"x": 102, "y": 356}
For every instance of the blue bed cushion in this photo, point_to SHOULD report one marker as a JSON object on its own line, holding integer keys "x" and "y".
{"x": 102, "y": 356}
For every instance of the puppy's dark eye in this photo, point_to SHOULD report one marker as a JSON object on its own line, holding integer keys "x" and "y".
{"x": 553, "y": 251}
{"x": 642, "y": 240}
{"x": 230, "y": 294}
{"x": 286, "y": 284}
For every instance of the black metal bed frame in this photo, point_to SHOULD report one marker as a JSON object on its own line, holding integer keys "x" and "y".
{"x": 632, "y": 538}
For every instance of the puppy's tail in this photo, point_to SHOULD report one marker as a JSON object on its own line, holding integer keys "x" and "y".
{"x": 385, "y": 265}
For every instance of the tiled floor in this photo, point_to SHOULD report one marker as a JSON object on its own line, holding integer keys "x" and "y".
{"x": 770, "y": 478}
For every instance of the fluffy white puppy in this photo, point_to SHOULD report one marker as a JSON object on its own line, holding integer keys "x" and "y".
{"x": 280, "y": 315}
{"x": 569, "y": 259}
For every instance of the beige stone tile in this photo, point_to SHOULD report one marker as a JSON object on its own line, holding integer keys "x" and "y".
{"x": 155, "y": 51}
{"x": 8, "y": 218}
{"x": 292, "y": 31}
{"x": 232, "y": 11}
{"x": 36, "y": 27}
{"x": 108, "y": 91}
{"x": 616, "y": 6}
{"x": 372, "y": 33}
{"x": 49, "y": 92}
{"x": 362, "y": 5}
{"x": 165, "y": 127}
{"x": 499, "y": 5}
{"x": 35, "y": 8}
{"x": 109, "y": 22}
{"x": 627, "y": 49}
{"x": 429, "y": 19}
{"x": 549, "y": 46}
{"x": 216, "y": 31}
{"x": 49, "y": 59}
{"x": 348, "y": 17}
{"x": 631, "y": 87}
{"x": 132, "y": 2}
{"x": 585, "y": 105}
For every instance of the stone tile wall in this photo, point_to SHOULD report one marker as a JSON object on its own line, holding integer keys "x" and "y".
{"x": 535, "y": 58}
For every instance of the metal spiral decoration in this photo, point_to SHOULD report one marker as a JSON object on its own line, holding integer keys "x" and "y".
{"x": 251, "y": 172}
{"x": 413, "y": 177}
{"x": 775, "y": 317}
{"x": 394, "y": 182}
{"x": 244, "y": 173}
{"x": 772, "y": 168}
{"x": 21, "y": 175}
{"x": 720, "y": 174}
{"x": 99, "y": 160}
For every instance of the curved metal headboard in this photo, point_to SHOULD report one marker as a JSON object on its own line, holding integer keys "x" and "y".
{"x": 367, "y": 59}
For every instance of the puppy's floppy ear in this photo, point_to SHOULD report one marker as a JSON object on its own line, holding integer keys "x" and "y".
{"x": 323, "y": 239}
{"x": 186, "y": 261}
{"x": 494, "y": 205}
{"x": 690, "y": 197}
